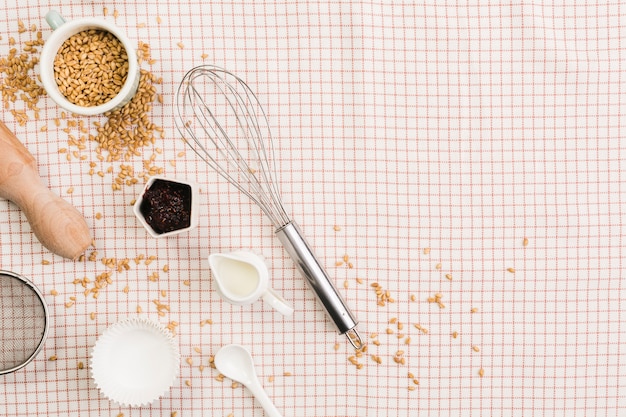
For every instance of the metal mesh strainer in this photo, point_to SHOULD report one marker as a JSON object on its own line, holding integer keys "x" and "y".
{"x": 23, "y": 321}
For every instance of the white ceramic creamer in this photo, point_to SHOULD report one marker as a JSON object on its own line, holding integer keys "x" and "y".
{"x": 242, "y": 277}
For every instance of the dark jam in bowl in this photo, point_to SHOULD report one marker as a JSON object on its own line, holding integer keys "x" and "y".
{"x": 166, "y": 206}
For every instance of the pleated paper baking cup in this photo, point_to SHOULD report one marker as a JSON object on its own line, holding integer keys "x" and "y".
{"x": 135, "y": 361}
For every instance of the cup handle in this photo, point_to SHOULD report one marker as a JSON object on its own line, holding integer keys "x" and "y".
{"x": 54, "y": 19}
{"x": 272, "y": 298}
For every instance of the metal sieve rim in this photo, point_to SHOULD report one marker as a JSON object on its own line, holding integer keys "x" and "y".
{"x": 44, "y": 335}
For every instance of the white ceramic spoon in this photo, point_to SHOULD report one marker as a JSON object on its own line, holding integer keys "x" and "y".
{"x": 235, "y": 362}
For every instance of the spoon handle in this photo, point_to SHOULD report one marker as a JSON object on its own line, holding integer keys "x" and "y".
{"x": 259, "y": 393}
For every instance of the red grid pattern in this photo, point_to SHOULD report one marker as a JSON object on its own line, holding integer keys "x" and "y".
{"x": 437, "y": 138}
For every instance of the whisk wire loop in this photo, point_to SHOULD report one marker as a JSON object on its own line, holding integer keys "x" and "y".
{"x": 222, "y": 146}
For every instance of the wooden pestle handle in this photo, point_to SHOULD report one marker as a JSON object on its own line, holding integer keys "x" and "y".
{"x": 56, "y": 223}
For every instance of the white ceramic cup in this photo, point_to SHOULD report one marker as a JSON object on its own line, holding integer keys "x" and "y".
{"x": 242, "y": 277}
{"x": 62, "y": 31}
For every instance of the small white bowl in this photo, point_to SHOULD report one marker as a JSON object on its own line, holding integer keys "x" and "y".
{"x": 135, "y": 361}
{"x": 195, "y": 204}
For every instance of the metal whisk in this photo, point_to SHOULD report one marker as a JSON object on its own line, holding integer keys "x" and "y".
{"x": 222, "y": 120}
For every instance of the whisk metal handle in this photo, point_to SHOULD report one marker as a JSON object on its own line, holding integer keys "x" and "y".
{"x": 317, "y": 278}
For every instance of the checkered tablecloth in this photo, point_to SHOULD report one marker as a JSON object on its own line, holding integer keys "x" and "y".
{"x": 466, "y": 160}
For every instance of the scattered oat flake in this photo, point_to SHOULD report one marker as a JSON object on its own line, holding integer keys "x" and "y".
{"x": 437, "y": 299}
{"x": 383, "y": 296}
{"x": 52, "y": 358}
{"x": 426, "y": 251}
{"x": 511, "y": 270}
{"x": 525, "y": 241}
{"x": 481, "y": 372}
{"x": 180, "y": 45}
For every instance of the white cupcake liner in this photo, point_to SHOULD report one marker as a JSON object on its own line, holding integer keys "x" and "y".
{"x": 135, "y": 361}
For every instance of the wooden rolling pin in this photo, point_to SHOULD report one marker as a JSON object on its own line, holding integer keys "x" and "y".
{"x": 56, "y": 223}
